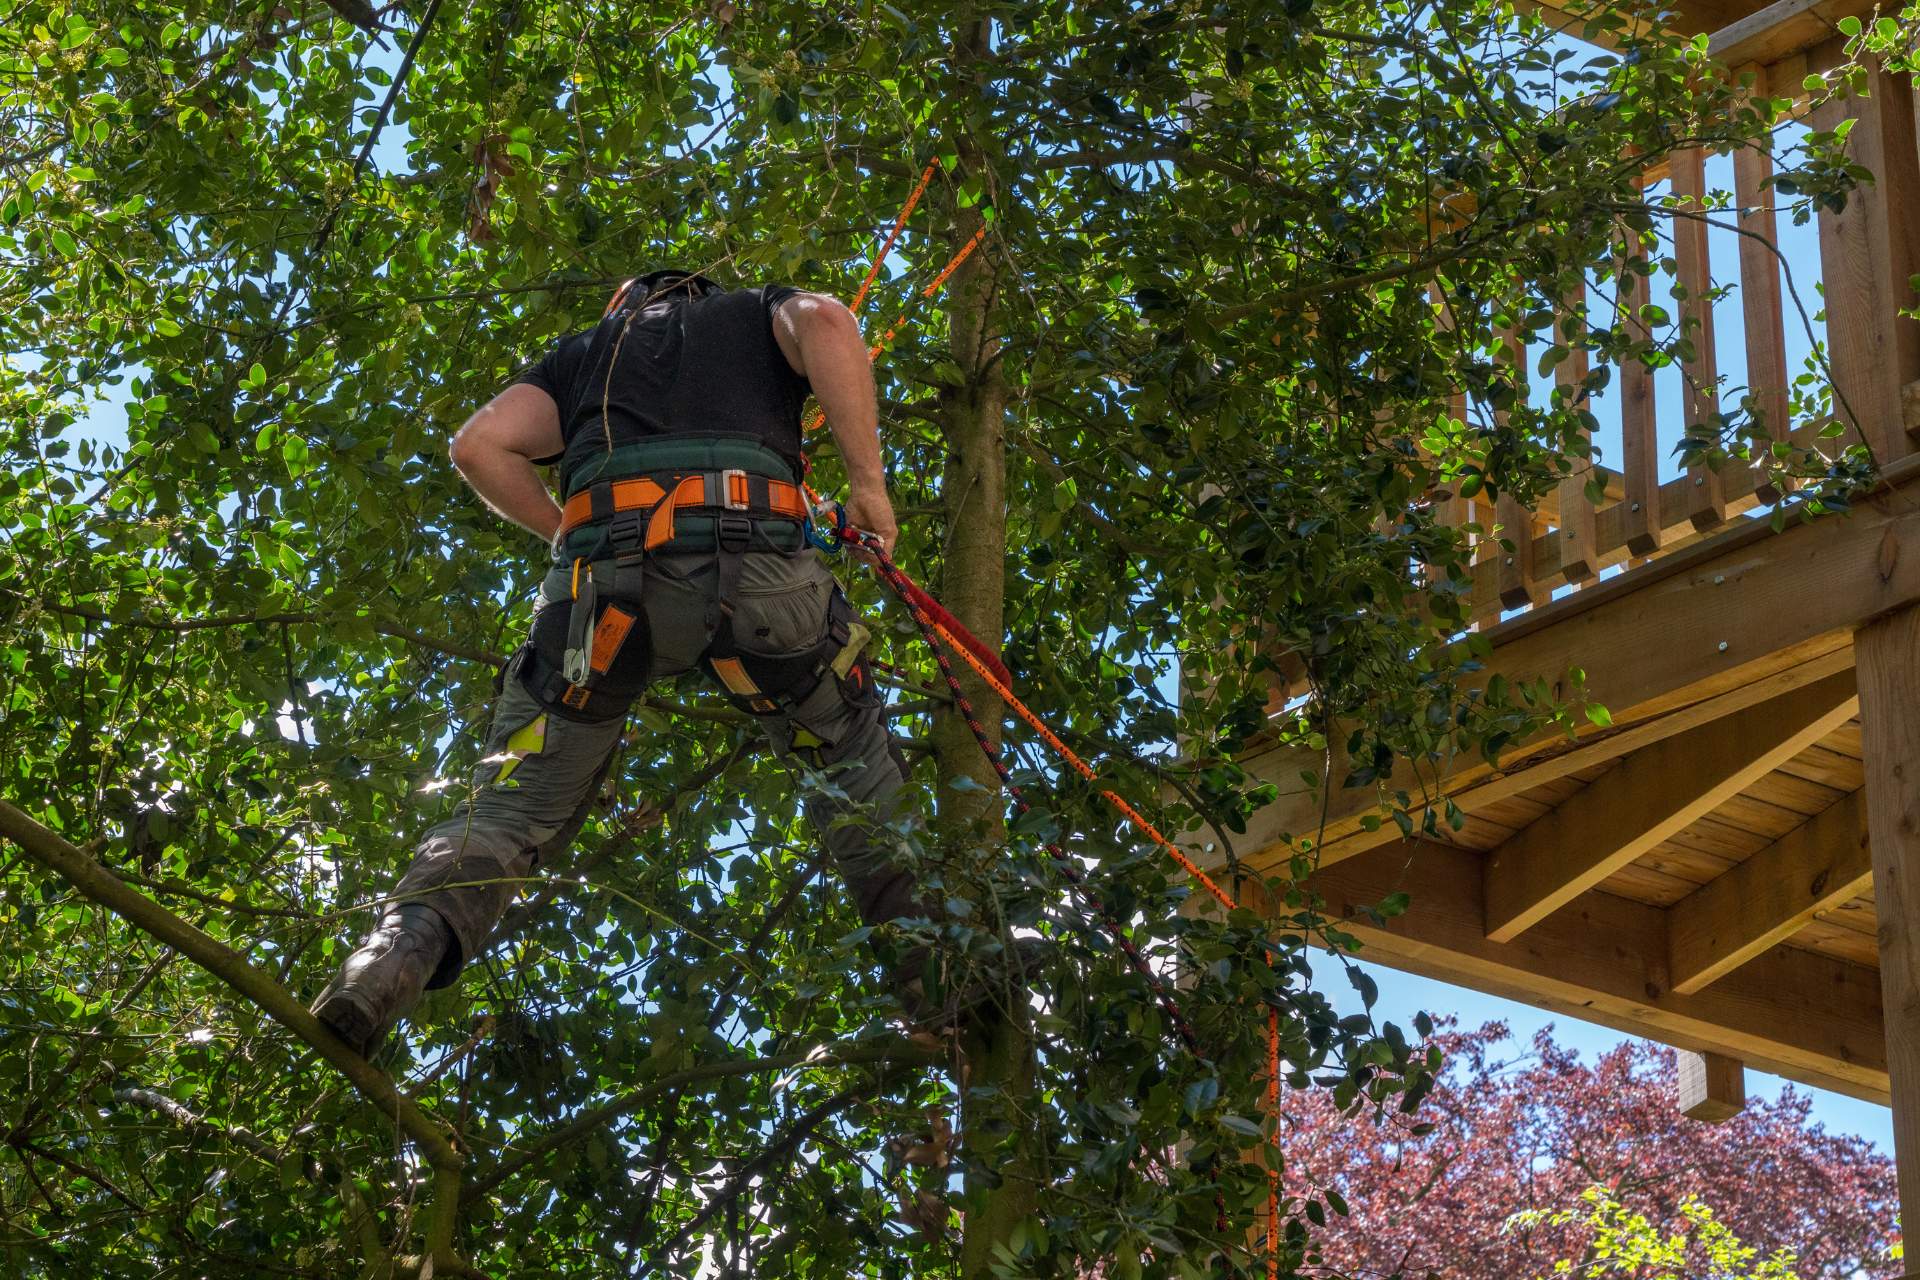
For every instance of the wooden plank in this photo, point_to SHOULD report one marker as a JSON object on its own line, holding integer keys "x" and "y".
{"x": 1869, "y": 252}
{"x": 1574, "y": 512}
{"x": 1846, "y": 741}
{"x": 1761, "y": 301}
{"x": 1832, "y": 935}
{"x": 1786, "y": 790}
{"x": 1890, "y": 718}
{"x": 1699, "y": 377}
{"x": 1826, "y": 767}
{"x": 1682, "y": 864}
{"x": 1660, "y": 790}
{"x": 1641, "y": 882}
{"x": 1639, "y": 442}
{"x": 1771, "y": 896}
{"x": 1713, "y": 1087}
{"x": 1710, "y": 839}
{"x": 1603, "y": 959}
{"x": 1769, "y": 821}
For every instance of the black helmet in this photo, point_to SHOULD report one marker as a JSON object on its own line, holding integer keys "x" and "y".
{"x": 669, "y": 285}
{"x": 660, "y": 284}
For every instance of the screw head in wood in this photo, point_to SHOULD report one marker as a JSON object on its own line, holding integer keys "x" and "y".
{"x": 1723, "y": 646}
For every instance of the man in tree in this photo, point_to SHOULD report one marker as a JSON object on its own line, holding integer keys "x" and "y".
{"x": 676, "y": 426}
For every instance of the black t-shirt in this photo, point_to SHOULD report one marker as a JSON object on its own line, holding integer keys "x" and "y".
{"x": 686, "y": 367}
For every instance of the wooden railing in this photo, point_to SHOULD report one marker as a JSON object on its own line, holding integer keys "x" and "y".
{"x": 1868, "y": 255}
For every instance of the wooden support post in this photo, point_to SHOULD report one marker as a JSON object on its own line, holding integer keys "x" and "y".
{"x": 1761, "y": 301}
{"x": 1888, "y": 651}
{"x": 1639, "y": 446}
{"x": 1713, "y": 1087}
{"x": 1869, "y": 252}
{"x": 1700, "y": 378}
{"x": 1579, "y": 543}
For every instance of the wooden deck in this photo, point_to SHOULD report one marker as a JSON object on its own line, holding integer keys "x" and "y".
{"x": 1733, "y": 865}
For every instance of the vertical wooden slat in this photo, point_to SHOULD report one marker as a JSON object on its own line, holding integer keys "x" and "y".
{"x": 1761, "y": 303}
{"x": 1707, "y": 502}
{"x": 1639, "y": 447}
{"x": 1519, "y": 585}
{"x": 1869, "y": 252}
{"x": 1579, "y": 547}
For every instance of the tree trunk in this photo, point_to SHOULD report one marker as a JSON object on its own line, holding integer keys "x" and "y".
{"x": 995, "y": 1050}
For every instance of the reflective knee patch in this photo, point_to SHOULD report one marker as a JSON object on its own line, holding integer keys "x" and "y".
{"x": 528, "y": 740}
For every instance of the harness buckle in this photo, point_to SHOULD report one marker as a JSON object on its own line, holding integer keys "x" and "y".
{"x": 734, "y": 494}
{"x": 733, "y": 533}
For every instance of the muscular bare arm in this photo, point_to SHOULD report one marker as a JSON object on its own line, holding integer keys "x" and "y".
{"x": 822, "y": 341}
{"x": 494, "y": 452}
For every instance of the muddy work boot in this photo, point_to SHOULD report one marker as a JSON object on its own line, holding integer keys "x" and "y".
{"x": 982, "y": 986}
{"x": 381, "y": 982}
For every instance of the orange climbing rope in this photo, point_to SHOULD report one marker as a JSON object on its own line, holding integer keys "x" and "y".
{"x": 939, "y": 281}
{"x": 899, "y": 223}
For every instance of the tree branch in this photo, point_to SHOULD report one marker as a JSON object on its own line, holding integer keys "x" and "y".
{"x": 795, "y": 1134}
{"x": 52, "y": 851}
{"x": 589, "y": 1121}
{"x": 268, "y": 619}
{"x": 196, "y": 1126}
{"x": 1120, "y": 537}
{"x": 1280, "y": 301}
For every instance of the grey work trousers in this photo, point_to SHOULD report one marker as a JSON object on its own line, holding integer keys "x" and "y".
{"x": 535, "y": 786}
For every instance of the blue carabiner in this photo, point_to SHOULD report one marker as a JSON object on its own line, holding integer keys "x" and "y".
{"x": 835, "y": 537}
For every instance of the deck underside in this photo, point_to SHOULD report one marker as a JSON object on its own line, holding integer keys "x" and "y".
{"x": 1697, "y": 873}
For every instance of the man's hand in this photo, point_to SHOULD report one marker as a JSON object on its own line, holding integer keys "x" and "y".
{"x": 822, "y": 341}
{"x": 494, "y": 452}
{"x": 873, "y": 513}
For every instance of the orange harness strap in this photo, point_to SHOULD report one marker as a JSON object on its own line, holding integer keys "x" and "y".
{"x": 692, "y": 491}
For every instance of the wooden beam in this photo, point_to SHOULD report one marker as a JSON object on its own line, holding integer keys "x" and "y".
{"x": 1603, "y": 959}
{"x": 1656, "y": 793}
{"x": 1743, "y": 606}
{"x": 1759, "y": 904}
{"x": 1890, "y": 733}
{"x": 1713, "y": 1087}
{"x": 1782, "y": 29}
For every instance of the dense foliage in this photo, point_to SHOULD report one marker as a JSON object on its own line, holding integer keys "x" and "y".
{"x": 1497, "y": 1184}
{"x": 248, "y": 654}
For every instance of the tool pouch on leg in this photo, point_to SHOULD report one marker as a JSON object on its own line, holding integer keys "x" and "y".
{"x": 588, "y": 658}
